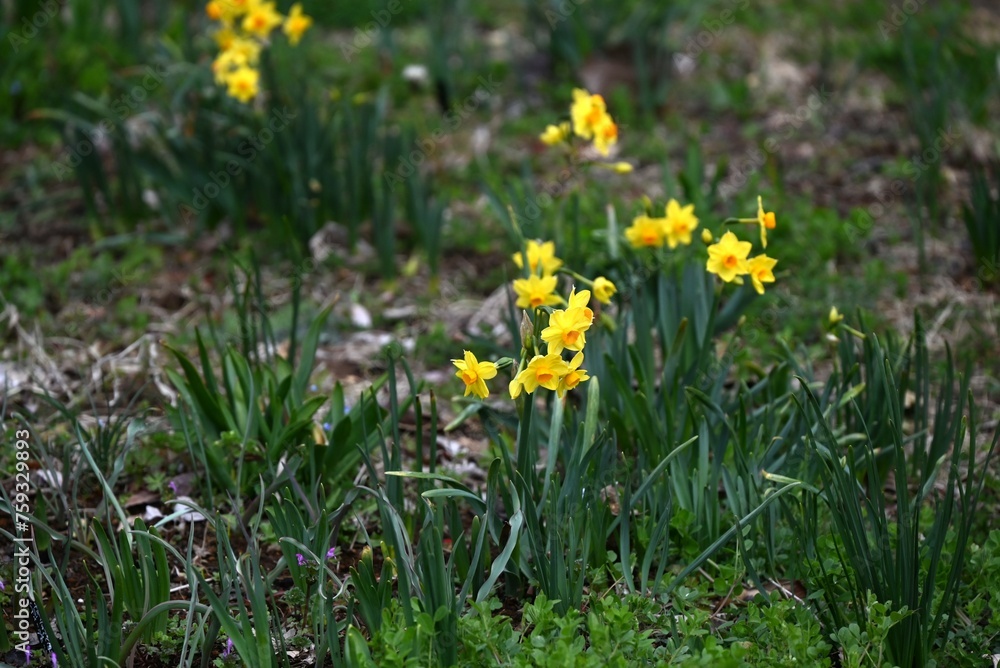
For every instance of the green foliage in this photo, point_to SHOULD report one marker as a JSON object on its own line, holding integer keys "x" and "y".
{"x": 893, "y": 556}
{"x": 982, "y": 221}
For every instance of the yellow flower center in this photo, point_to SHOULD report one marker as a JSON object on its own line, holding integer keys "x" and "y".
{"x": 537, "y": 300}
{"x": 572, "y": 379}
{"x": 544, "y": 376}
{"x": 730, "y": 262}
{"x": 571, "y": 336}
{"x": 469, "y": 377}
{"x": 610, "y": 131}
{"x": 769, "y": 220}
{"x": 649, "y": 237}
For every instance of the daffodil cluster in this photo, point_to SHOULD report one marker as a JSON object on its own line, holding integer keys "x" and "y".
{"x": 551, "y": 334}
{"x": 673, "y": 228}
{"x": 728, "y": 257}
{"x": 590, "y": 121}
{"x": 245, "y": 27}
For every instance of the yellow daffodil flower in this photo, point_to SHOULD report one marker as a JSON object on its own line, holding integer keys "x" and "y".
{"x": 539, "y": 255}
{"x": 580, "y": 300}
{"x": 604, "y": 290}
{"x": 587, "y": 112}
{"x": 767, "y": 221}
{"x": 574, "y": 376}
{"x": 542, "y": 371}
{"x": 680, "y": 222}
{"x": 227, "y": 11}
{"x": 296, "y": 24}
{"x": 566, "y": 327}
{"x": 645, "y": 231}
{"x": 242, "y": 83}
{"x": 261, "y": 20}
{"x": 555, "y": 134}
{"x": 605, "y": 135}
{"x": 224, "y": 38}
{"x": 728, "y": 258}
{"x": 835, "y": 316}
{"x": 760, "y": 271}
{"x": 214, "y": 10}
{"x": 475, "y": 374}
{"x": 536, "y": 291}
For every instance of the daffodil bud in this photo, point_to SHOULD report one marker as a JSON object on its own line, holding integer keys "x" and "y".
{"x": 835, "y": 316}
{"x": 706, "y": 236}
{"x": 526, "y": 330}
{"x": 647, "y": 204}
{"x": 622, "y": 167}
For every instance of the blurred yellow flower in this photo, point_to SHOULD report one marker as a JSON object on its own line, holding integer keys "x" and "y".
{"x": 760, "y": 271}
{"x": 574, "y": 376}
{"x": 645, "y": 231}
{"x": 605, "y": 135}
{"x": 475, "y": 374}
{"x": 767, "y": 221}
{"x": 680, "y": 222}
{"x": 229, "y": 10}
{"x": 542, "y": 371}
{"x": 835, "y": 316}
{"x": 296, "y": 24}
{"x": 261, "y": 19}
{"x": 706, "y": 236}
{"x": 622, "y": 167}
{"x": 536, "y": 291}
{"x": 214, "y": 10}
{"x": 728, "y": 258}
{"x": 539, "y": 255}
{"x": 587, "y": 112}
{"x": 224, "y": 38}
{"x": 604, "y": 290}
{"x": 555, "y": 134}
{"x": 242, "y": 83}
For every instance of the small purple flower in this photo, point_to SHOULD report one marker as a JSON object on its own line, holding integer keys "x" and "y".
{"x": 2, "y": 587}
{"x": 327, "y": 426}
{"x": 330, "y": 553}
{"x": 301, "y": 559}
{"x": 229, "y": 648}
{"x": 55, "y": 664}
{"x": 173, "y": 486}
{"x": 101, "y": 423}
{"x": 313, "y": 388}
{"x": 27, "y": 655}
